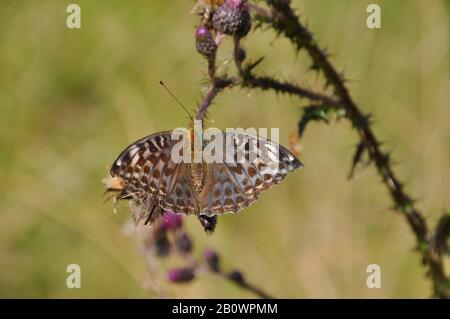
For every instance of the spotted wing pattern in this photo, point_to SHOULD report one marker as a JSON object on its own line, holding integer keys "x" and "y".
{"x": 257, "y": 164}
{"x": 152, "y": 178}
{"x": 140, "y": 165}
{"x": 177, "y": 192}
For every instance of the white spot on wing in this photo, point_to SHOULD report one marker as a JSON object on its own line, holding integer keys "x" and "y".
{"x": 135, "y": 159}
{"x": 161, "y": 141}
{"x": 272, "y": 147}
{"x": 133, "y": 151}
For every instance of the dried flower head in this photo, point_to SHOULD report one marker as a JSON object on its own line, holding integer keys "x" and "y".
{"x": 210, "y": 3}
{"x": 232, "y": 18}
{"x": 144, "y": 208}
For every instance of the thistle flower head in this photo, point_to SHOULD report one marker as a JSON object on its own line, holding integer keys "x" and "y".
{"x": 171, "y": 221}
{"x": 232, "y": 18}
{"x": 180, "y": 275}
{"x": 201, "y": 32}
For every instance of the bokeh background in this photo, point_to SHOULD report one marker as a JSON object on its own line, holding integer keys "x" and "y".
{"x": 71, "y": 100}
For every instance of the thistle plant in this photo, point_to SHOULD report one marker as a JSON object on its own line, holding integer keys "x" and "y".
{"x": 168, "y": 237}
{"x": 234, "y": 19}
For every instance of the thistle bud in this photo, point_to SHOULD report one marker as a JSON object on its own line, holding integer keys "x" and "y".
{"x": 171, "y": 221}
{"x": 204, "y": 42}
{"x": 183, "y": 243}
{"x": 236, "y": 276}
{"x": 181, "y": 275}
{"x": 232, "y": 18}
{"x": 161, "y": 244}
{"x": 212, "y": 259}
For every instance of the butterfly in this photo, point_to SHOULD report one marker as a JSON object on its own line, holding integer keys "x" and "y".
{"x": 147, "y": 173}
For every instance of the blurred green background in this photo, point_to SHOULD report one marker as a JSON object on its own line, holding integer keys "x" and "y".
{"x": 71, "y": 100}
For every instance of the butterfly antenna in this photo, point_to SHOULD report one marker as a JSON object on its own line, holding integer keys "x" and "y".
{"x": 175, "y": 98}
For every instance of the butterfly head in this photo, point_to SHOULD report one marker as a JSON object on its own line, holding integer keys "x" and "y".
{"x": 114, "y": 183}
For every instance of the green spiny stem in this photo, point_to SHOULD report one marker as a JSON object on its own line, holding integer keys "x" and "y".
{"x": 284, "y": 20}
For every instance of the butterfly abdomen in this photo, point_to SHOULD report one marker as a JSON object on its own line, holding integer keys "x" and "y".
{"x": 198, "y": 176}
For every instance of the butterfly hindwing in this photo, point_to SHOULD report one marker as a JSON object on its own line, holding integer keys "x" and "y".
{"x": 180, "y": 196}
{"x": 222, "y": 192}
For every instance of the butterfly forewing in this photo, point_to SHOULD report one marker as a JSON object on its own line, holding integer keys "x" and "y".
{"x": 257, "y": 164}
{"x": 137, "y": 161}
{"x": 150, "y": 173}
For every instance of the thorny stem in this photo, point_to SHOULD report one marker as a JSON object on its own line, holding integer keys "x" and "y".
{"x": 245, "y": 285}
{"x": 247, "y": 79}
{"x": 212, "y": 67}
{"x": 268, "y": 83}
{"x": 217, "y": 85}
{"x": 235, "y": 277}
{"x": 237, "y": 55}
{"x": 265, "y": 83}
{"x": 285, "y": 21}
{"x": 281, "y": 17}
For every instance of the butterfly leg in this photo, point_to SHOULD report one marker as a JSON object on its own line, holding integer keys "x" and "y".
{"x": 208, "y": 222}
{"x": 151, "y": 214}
